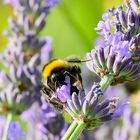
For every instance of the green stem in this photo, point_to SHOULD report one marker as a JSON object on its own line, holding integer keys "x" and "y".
{"x": 70, "y": 130}
{"x": 105, "y": 82}
{"x": 9, "y": 119}
{"x": 75, "y": 135}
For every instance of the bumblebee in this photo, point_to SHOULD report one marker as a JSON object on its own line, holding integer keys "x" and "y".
{"x": 54, "y": 74}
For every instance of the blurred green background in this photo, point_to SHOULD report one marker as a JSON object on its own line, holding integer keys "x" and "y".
{"x": 71, "y": 25}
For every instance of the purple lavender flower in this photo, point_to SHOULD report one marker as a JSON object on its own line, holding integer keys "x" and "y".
{"x": 123, "y": 19}
{"x": 117, "y": 52}
{"x": 63, "y": 93}
{"x": 15, "y": 131}
{"x": 23, "y": 34}
{"x": 25, "y": 56}
{"x": 104, "y": 26}
{"x": 90, "y": 109}
{"x": 116, "y": 62}
{"x": 11, "y": 99}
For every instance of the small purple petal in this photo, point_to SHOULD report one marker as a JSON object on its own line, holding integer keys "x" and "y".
{"x": 63, "y": 93}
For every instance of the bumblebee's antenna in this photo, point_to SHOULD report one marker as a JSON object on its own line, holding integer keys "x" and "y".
{"x": 76, "y": 60}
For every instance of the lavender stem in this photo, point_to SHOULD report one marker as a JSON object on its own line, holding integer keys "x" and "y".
{"x": 78, "y": 130}
{"x": 9, "y": 119}
{"x": 105, "y": 82}
{"x": 70, "y": 130}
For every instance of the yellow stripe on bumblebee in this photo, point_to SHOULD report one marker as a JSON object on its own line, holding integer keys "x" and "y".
{"x": 49, "y": 67}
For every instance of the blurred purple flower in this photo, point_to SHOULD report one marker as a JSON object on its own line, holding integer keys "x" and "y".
{"x": 15, "y": 131}
{"x": 49, "y": 119}
{"x": 118, "y": 90}
{"x": 11, "y": 99}
{"x": 46, "y": 51}
{"x": 43, "y": 120}
{"x": 123, "y": 103}
{"x": 122, "y": 107}
{"x": 52, "y": 3}
{"x": 13, "y": 2}
{"x": 2, "y": 124}
{"x": 25, "y": 56}
{"x": 127, "y": 129}
{"x": 130, "y": 126}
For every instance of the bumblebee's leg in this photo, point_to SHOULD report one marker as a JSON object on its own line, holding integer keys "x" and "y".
{"x": 46, "y": 91}
{"x": 56, "y": 85}
{"x": 56, "y": 104}
{"x": 53, "y": 101}
{"x": 76, "y": 82}
{"x": 77, "y": 72}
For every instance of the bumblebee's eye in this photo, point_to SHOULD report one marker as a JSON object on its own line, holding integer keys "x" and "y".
{"x": 53, "y": 78}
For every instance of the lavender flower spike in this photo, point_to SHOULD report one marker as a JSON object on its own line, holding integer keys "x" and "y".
{"x": 12, "y": 100}
{"x": 89, "y": 109}
{"x": 118, "y": 52}
{"x": 130, "y": 127}
{"x": 116, "y": 62}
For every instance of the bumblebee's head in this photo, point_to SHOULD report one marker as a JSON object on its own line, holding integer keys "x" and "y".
{"x": 52, "y": 66}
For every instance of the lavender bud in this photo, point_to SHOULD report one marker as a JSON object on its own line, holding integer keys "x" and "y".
{"x": 131, "y": 17}
{"x": 122, "y": 17}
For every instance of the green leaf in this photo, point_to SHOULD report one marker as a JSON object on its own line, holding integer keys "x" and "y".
{"x": 4, "y": 14}
{"x": 72, "y": 25}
